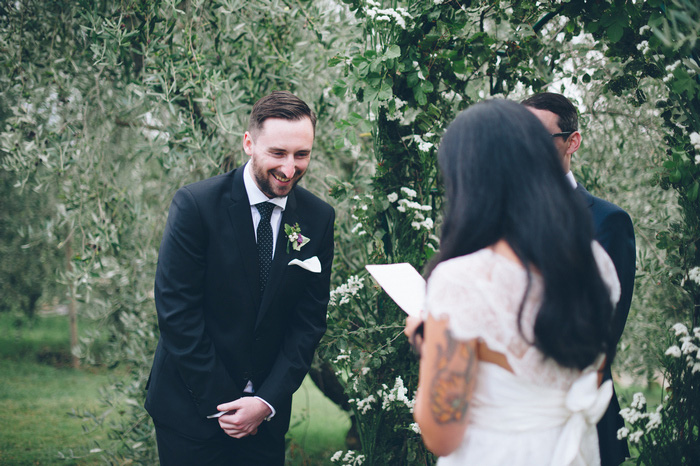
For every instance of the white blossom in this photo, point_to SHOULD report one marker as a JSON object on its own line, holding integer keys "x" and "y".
{"x": 688, "y": 346}
{"x": 695, "y": 141}
{"x": 346, "y": 291}
{"x": 643, "y": 29}
{"x": 643, "y": 47}
{"x": 635, "y": 436}
{"x": 408, "y": 192}
{"x": 423, "y": 146}
{"x": 679, "y": 328}
{"x": 398, "y": 15}
{"x": 415, "y": 427}
{"x": 393, "y": 197}
{"x": 638, "y": 401}
{"x": 674, "y": 351}
{"x": 622, "y": 433}
{"x": 630, "y": 415}
{"x": 336, "y": 456}
{"x": 654, "y": 421}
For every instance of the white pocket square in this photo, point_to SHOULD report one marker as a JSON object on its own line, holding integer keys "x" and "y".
{"x": 312, "y": 264}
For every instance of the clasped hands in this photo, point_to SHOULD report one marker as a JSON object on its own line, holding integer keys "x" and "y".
{"x": 243, "y": 417}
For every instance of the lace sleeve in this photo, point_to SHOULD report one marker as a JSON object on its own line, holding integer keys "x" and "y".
{"x": 459, "y": 290}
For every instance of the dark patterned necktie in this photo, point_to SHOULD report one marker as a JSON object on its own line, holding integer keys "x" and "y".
{"x": 264, "y": 233}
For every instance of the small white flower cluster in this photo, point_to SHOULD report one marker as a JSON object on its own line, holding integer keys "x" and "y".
{"x": 388, "y": 397}
{"x": 688, "y": 346}
{"x": 396, "y": 114}
{"x": 644, "y": 29}
{"x": 360, "y": 209}
{"x": 344, "y": 292}
{"x": 634, "y": 414}
{"x": 695, "y": 141}
{"x": 405, "y": 204}
{"x": 351, "y": 458}
{"x": 694, "y": 273}
{"x": 415, "y": 427}
{"x": 643, "y": 46}
{"x": 423, "y": 146}
{"x": 396, "y": 394}
{"x": 363, "y": 404}
{"x": 670, "y": 69}
{"x": 389, "y": 15}
{"x": 341, "y": 356}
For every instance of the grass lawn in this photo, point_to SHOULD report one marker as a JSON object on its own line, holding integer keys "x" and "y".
{"x": 39, "y": 391}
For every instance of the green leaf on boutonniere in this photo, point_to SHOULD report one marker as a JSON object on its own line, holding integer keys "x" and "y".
{"x": 294, "y": 237}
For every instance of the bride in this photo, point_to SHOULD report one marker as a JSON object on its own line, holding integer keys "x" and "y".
{"x": 518, "y": 306}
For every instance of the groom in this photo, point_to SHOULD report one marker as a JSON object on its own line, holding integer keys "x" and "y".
{"x": 613, "y": 230}
{"x": 241, "y": 291}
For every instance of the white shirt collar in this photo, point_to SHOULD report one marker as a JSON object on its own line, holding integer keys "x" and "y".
{"x": 569, "y": 176}
{"x": 255, "y": 196}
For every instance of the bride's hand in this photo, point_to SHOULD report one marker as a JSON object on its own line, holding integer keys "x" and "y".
{"x": 414, "y": 332}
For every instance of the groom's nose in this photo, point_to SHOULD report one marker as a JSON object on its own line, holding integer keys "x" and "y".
{"x": 288, "y": 167}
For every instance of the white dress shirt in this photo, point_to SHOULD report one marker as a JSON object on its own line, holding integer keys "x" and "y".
{"x": 255, "y": 196}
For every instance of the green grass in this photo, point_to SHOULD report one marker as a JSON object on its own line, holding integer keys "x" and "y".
{"x": 318, "y": 427}
{"x": 39, "y": 391}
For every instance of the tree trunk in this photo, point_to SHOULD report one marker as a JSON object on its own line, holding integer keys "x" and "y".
{"x": 72, "y": 313}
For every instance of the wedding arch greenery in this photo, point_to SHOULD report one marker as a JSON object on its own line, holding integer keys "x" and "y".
{"x": 109, "y": 106}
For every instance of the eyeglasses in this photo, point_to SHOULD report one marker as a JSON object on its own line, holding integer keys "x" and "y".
{"x": 564, "y": 134}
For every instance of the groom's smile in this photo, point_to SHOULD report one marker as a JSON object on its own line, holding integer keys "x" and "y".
{"x": 279, "y": 153}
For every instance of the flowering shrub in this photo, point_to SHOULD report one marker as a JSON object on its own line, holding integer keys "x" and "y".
{"x": 670, "y": 435}
{"x": 364, "y": 344}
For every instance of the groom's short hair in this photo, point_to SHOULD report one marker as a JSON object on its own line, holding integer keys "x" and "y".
{"x": 279, "y": 104}
{"x": 557, "y": 104}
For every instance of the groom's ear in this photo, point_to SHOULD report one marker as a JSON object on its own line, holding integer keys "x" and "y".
{"x": 248, "y": 143}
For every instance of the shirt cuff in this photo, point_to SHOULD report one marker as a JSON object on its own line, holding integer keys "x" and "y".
{"x": 273, "y": 412}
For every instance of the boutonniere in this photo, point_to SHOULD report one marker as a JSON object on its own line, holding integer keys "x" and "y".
{"x": 296, "y": 239}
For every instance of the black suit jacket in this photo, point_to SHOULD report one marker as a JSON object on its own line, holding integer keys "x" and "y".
{"x": 216, "y": 330}
{"x": 614, "y": 231}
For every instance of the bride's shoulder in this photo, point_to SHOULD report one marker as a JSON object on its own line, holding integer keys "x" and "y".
{"x": 463, "y": 266}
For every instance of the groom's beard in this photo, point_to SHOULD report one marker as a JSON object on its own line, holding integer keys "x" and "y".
{"x": 262, "y": 179}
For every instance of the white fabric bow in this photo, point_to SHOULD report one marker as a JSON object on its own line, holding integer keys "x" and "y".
{"x": 587, "y": 404}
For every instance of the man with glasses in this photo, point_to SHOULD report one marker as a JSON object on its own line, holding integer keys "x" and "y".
{"x": 613, "y": 230}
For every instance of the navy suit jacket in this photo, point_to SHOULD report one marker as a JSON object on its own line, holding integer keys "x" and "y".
{"x": 614, "y": 231}
{"x": 216, "y": 330}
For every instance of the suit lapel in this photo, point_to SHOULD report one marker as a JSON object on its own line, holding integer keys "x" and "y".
{"x": 242, "y": 224}
{"x": 282, "y": 258}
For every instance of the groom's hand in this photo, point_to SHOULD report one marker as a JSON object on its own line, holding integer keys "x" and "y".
{"x": 245, "y": 415}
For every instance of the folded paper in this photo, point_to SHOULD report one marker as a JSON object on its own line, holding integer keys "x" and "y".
{"x": 312, "y": 264}
{"x": 403, "y": 284}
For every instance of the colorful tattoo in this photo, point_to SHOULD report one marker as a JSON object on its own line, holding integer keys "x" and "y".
{"x": 454, "y": 367}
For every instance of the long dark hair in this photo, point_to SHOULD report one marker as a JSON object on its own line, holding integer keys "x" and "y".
{"x": 504, "y": 180}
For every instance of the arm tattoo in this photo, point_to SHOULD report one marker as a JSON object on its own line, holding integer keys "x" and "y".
{"x": 453, "y": 377}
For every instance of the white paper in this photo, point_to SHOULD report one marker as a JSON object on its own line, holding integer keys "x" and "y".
{"x": 403, "y": 284}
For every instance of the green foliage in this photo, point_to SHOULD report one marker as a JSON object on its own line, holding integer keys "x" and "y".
{"x": 109, "y": 107}
{"x": 670, "y": 435}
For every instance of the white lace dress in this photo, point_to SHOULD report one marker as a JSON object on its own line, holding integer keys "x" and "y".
{"x": 541, "y": 413}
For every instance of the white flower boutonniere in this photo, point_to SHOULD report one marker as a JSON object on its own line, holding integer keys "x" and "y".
{"x": 296, "y": 239}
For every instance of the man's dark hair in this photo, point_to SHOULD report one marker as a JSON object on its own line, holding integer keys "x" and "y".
{"x": 279, "y": 104}
{"x": 557, "y": 104}
{"x": 503, "y": 180}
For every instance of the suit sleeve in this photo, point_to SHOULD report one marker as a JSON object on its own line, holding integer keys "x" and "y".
{"x": 616, "y": 235}
{"x": 306, "y": 327}
{"x": 179, "y": 294}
